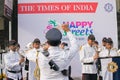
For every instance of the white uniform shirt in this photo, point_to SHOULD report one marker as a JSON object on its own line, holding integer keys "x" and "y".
{"x": 11, "y": 60}
{"x": 60, "y": 57}
{"x": 86, "y": 56}
{"x": 104, "y": 63}
{"x": 101, "y": 48}
{"x": 31, "y": 56}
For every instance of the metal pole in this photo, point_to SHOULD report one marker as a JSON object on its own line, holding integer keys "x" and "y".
{"x": 10, "y": 31}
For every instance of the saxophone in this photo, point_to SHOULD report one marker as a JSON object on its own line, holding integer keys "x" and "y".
{"x": 37, "y": 69}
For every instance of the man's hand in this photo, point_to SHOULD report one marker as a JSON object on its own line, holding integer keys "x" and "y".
{"x": 96, "y": 56}
{"x": 21, "y": 60}
{"x": 65, "y": 27}
{"x": 45, "y": 46}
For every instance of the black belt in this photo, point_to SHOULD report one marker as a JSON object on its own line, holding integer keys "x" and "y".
{"x": 88, "y": 63}
{"x": 14, "y": 71}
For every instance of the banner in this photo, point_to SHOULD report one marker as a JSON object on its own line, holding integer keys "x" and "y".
{"x": 110, "y": 67}
{"x": 85, "y": 17}
{"x": 117, "y": 73}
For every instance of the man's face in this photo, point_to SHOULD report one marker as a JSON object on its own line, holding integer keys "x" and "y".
{"x": 45, "y": 46}
{"x": 12, "y": 47}
{"x": 36, "y": 45}
{"x": 95, "y": 45}
{"x": 108, "y": 46}
{"x": 90, "y": 42}
{"x": 104, "y": 43}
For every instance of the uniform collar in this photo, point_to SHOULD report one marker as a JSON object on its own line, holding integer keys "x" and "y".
{"x": 36, "y": 49}
{"x": 88, "y": 45}
{"x": 12, "y": 51}
{"x": 52, "y": 47}
{"x": 52, "y": 50}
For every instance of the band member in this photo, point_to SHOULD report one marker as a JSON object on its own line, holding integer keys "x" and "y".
{"x": 31, "y": 56}
{"x": 88, "y": 57}
{"x": 53, "y": 65}
{"x": 108, "y": 52}
{"x": 62, "y": 46}
{"x": 98, "y": 61}
{"x": 103, "y": 46}
{"x": 13, "y": 62}
{"x": 96, "y": 45}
